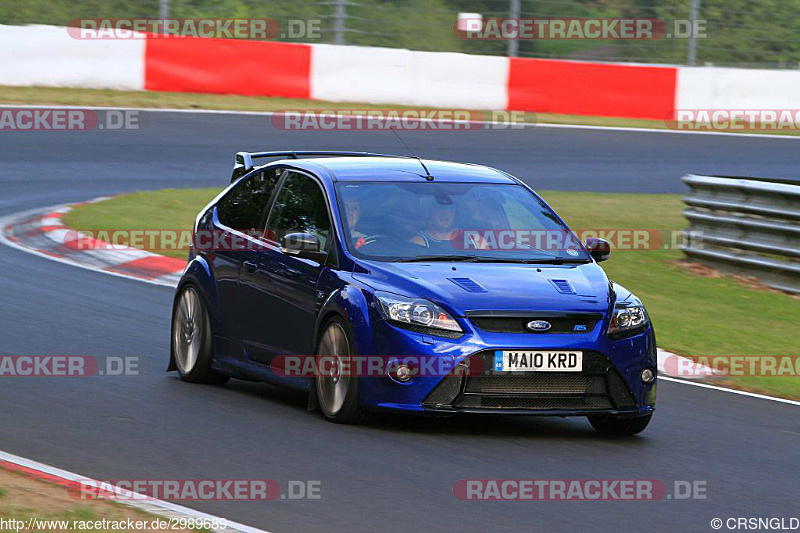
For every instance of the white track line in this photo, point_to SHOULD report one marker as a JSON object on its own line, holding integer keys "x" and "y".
{"x": 355, "y": 108}
{"x": 707, "y": 373}
{"x": 732, "y": 391}
{"x": 146, "y": 503}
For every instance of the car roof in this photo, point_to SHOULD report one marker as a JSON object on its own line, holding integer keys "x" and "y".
{"x": 397, "y": 169}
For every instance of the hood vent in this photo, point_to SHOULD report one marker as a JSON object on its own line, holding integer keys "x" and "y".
{"x": 468, "y": 284}
{"x": 563, "y": 286}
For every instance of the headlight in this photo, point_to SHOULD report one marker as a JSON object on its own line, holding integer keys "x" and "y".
{"x": 415, "y": 312}
{"x": 627, "y": 316}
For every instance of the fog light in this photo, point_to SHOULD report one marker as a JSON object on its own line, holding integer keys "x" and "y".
{"x": 402, "y": 373}
{"x": 647, "y": 375}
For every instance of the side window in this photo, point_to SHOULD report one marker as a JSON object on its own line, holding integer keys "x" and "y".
{"x": 300, "y": 207}
{"x": 244, "y": 208}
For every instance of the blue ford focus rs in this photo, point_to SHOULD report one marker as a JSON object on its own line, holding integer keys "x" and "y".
{"x": 467, "y": 291}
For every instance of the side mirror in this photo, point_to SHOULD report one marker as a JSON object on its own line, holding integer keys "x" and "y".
{"x": 598, "y": 248}
{"x": 304, "y": 245}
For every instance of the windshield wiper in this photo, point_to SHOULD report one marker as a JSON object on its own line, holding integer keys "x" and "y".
{"x": 423, "y": 258}
{"x": 489, "y": 259}
{"x": 555, "y": 261}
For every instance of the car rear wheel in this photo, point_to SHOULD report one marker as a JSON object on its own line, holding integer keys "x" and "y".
{"x": 337, "y": 392}
{"x": 192, "y": 338}
{"x": 612, "y": 425}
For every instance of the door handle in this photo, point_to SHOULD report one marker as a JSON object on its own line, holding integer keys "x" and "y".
{"x": 250, "y": 266}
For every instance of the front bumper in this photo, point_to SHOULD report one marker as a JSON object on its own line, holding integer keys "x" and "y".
{"x": 609, "y": 383}
{"x": 598, "y": 387}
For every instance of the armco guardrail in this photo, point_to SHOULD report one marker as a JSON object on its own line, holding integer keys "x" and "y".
{"x": 747, "y": 226}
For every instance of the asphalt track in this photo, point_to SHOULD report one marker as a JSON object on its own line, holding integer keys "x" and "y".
{"x": 396, "y": 475}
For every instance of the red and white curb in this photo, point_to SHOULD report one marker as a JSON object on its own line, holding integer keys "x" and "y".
{"x": 56, "y": 476}
{"x": 42, "y": 232}
{"x": 679, "y": 369}
{"x": 678, "y": 366}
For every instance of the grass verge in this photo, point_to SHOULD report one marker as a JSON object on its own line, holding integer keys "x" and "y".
{"x": 11, "y": 95}
{"x": 693, "y": 315}
{"x": 52, "y": 508}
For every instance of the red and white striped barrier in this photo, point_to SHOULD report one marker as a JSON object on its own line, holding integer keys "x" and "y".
{"x": 49, "y": 56}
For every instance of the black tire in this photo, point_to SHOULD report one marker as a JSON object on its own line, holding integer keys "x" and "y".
{"x": 347, "y": 411}
{"x": 613, "y": 425}
{"x": 191, "y": 339}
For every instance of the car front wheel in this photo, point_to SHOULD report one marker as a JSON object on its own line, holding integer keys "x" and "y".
{"x": 337, "y": 390}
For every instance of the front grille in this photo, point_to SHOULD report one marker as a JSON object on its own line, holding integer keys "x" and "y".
{"x": 570, "y": 323}
{"x": 598, "y": 387}
{"x": 541, "y": 404}
{"x": 539, "y": 382}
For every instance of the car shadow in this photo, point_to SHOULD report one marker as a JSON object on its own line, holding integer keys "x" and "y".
{"x": 463, "y": 425}
{"x": 488, "y": 425}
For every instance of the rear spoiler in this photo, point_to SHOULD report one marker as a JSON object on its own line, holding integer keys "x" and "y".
{"x": 243, "y": 162}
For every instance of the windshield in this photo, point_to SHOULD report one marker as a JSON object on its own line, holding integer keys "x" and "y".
{"x": 392, "y": 221}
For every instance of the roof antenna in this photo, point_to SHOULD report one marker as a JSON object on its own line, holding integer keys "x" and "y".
{"x": 427, "y": 175}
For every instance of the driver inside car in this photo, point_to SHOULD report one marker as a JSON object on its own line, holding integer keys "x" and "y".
{"x": 352, "y": 207}
{"x": 443, "y": 227}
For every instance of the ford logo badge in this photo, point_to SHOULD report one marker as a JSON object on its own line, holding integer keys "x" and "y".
{"x": 538, "y": 325}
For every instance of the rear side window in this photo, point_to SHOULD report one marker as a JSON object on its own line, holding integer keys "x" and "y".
{"x": 245, "y": 206}
{"x": 300, "y": 208}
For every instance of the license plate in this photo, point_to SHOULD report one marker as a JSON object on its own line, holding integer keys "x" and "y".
{"x": 537, "y": 361}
